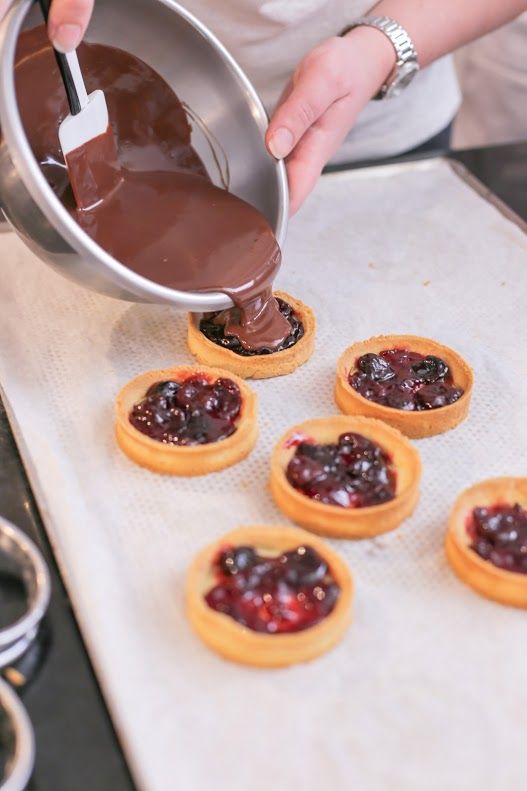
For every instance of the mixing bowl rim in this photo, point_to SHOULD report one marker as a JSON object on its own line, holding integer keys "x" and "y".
{"x": 29, "y": 171}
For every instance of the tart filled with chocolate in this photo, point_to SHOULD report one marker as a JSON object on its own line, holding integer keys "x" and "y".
{"x": 218, "y": 339}
{"x": 269, "y": 596}
{"x": 349, "y": 477}
{"x": 413, "y": 383}
{"x": 187, "y": 420}
{"x": 486, "y": 540}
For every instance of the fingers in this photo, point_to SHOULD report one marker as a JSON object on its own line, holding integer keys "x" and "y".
{"x": 316, "y": 147}
{"x": 330, "y": 88}
{"x": 4, "y": 7}
{"x": 317, "y": 84}
{"x": 68, "y": 20}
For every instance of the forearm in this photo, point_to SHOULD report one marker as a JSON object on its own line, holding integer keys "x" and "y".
{"x": 438, "y": 27}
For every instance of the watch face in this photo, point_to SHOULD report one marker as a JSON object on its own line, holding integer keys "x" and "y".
{"x": 405, "y": 74}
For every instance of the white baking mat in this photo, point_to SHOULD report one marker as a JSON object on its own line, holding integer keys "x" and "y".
{"x": 427, "y": 691}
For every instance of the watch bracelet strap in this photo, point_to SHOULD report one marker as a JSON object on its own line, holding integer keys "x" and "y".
{"x": 395, "y": 33}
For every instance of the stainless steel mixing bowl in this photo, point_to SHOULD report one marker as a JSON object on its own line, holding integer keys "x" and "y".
{"x": 204, "y": 75}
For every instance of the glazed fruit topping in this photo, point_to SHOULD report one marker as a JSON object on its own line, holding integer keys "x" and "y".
{"x": 406, "y": 380}
{"x": 352, "y": 473}
{"x": 215, "y": 333}
{"x": 274, "y": 595}
{"x": 192, "y": 412}
{"x": 499, "y": 535}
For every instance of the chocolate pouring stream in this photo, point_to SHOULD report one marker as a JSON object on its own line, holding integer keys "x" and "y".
{"x": 165, "y": 219}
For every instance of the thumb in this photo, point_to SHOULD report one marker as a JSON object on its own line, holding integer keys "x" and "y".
{"x": 68, "y": 20}
{"x": 317, "y": 84}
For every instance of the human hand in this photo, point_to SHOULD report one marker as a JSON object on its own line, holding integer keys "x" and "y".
{"x": 67, "y": 23}
{"x": 330, "y": 87}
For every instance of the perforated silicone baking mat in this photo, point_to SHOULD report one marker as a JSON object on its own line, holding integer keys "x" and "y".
{"x": 427, "y": 690}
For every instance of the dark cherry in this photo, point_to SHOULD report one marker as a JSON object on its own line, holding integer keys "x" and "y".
{"x": 402, "y": 379}
{"x": 430, "y": 369}
{"x": 375, "y": 367}
{"x": 353, "y": 473}
{"x": 499, "y": 535}
{"x": 287, "y": 593}
{"x": 215, "y": 333}
{"x": 167, "y": 389}
{"x": 192, "y": 412}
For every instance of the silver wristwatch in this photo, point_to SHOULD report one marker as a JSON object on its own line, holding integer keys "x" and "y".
{"x": 407, "y": 64}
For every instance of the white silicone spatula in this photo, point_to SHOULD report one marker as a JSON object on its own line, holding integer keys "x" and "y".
{"x": 91, "y": 118}
{"x": 88, "y": 113}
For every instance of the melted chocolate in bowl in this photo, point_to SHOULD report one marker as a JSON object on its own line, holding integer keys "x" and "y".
{"x": 165, "y": 219}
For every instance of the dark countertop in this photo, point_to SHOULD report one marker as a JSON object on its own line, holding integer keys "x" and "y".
{"x": 76, "y": 746}
{"x": 503, "y": 169}
{"x": 77, "y": 749}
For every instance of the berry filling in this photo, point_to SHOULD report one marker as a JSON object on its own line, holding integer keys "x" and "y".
{"x": 215, "y": 333}
{"x": 406, "y": 380}
{"x": 353, "y": 473}
{"x": 275, "y": 595}
{"x": 192, "y": 412}
{"x": 499, "y": 535}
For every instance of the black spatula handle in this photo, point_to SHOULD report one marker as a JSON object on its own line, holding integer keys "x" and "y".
{"x": 69, "y": 85}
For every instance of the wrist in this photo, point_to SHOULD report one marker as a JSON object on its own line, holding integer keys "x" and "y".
{"x": 378, "y": 56}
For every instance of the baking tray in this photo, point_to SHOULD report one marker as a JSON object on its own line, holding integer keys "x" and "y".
{"x": 402, "y": 248}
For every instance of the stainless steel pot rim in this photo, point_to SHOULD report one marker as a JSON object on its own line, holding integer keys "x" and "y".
{"x": 22, "y": 762}
{"x": 17, "y": 637}
{"x": 50, "y": 205}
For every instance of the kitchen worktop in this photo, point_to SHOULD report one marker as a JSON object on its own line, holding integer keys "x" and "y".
{"x": 77, "y": 749}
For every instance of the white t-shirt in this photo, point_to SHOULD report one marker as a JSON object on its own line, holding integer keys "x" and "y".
{"x": 268, "y": 38}
{"x": 493, "y": 73}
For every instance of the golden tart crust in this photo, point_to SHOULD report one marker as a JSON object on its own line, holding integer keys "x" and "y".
{"x": 506, "y": 587}
{"x": 332, "y": 520}
{"x": 177, "y": 459}
{"x": 262, "y": 366}
{"x": 414, "y": 424}
{"x": 238, "y": 643}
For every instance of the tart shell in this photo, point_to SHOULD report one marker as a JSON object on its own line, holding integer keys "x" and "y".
{"x": 506, "y": 587}
{"x": 414, "y": 424}
{"x": 177, "y": 459}
{"x": 238, "y": 643}
{"x": 332, "y": 520}
{"x": 261, "y": 366}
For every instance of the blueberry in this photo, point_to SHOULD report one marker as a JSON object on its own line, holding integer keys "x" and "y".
{"x": 502, "y": 559}
{"x": 375, "y": 367}
{"x": 285, "y": 309}
{"x": 354, "y": 442}
{"x": 324, "y": 455}
{"x": 197, "y": 431}
{"x": 228, "y": 398}
{"x": 233, "y": 561}
{"x": 302, "y": 471}
{"x": 190, "y": 389}
{"x": 178, "y": 418}
{"x": 483, "y": 548}
{"x": 400, "y": 399}
{"x": 501, "y": 536}
{"x": 436, "y": 395}
{"x": 166, "y": 389}
{"x": 367, "y": 388}
{"x": 431, "y": 369}
{"x": 489, "y": 525}
{"x": 304, "y": 567}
